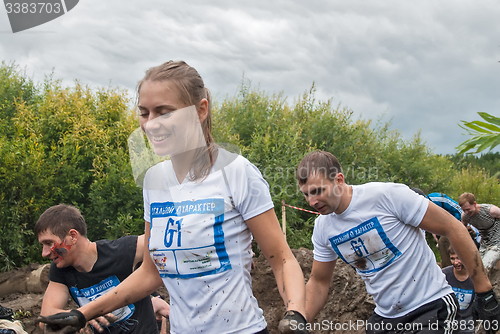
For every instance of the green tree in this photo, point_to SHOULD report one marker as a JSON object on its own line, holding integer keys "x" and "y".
{"x": 15, "y": 87}
{"x": 478, "y": 181}
{"x": 489, "y": 161}
{"x": 63, "y": 145}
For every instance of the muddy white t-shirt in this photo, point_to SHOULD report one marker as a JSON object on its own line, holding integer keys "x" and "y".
{"x": 201, "y": 244}
{"x": 378, "y": 235}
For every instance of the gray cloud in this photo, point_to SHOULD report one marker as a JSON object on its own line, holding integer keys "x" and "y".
{"x": 424, "y": 65}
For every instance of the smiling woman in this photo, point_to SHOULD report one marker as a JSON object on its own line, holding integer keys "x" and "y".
{"x": 174, "y": 102}
{"x": 173, "y": 132}
{"x": 201, "y": 208}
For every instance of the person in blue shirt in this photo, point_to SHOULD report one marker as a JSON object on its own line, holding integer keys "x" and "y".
{"x": 444, "y": 201}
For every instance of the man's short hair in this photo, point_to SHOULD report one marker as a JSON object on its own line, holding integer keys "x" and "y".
{"x": 318, "y": 162}
{"x": 466, "y": 198}
{"x": 59, "y": 219}
{"x": 451, "y": 251}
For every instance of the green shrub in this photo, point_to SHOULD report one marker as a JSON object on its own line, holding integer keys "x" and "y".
{"x": 275, "y": 136}
{"x": 68, "y": 147}
{"x": 478, "y": 181}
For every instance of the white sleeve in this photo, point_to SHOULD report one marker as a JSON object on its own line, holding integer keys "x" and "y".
{"x": 154, "y": 181}
{"x": 249, "y": 189}
{"x": 409, "y": 207}
{"x": 323, "y": 251}
{"x": 147, "y": 216}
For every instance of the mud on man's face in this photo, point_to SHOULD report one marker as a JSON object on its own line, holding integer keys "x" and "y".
{"x": 61, "y": 249}
{"x": 53, "y": 247}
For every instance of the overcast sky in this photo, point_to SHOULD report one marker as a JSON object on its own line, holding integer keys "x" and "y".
{"x": 426, "y": 65}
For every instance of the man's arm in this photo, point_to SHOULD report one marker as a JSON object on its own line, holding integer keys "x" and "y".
{"x": 266, "y": 230}
{"x": 441, "y": 222}
{"x": 317, "y": 287}
{"x": 465, "y": 221}
{"x": 55, "y": 300}
{"x": 495, "y": 211}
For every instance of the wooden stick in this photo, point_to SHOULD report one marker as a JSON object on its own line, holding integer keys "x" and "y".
{"x": 283, "y": 217}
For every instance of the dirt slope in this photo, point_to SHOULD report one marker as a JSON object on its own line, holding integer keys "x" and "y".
{"x": 348, "y": 299}
{"x": 348, "y": 303}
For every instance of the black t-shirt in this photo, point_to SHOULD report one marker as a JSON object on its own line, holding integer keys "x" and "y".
{"x": 114, "y": 263}
{"x": 463, "y": 290}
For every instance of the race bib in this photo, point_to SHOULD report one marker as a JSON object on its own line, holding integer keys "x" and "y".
{"x": 464, "y": 297}
{"x": 85, "y": 296}
{"x": 187, "y": 239}
{"x": 366, "y": 247}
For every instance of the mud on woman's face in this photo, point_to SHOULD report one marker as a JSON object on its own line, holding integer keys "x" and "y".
{"x": 171, "y": 126}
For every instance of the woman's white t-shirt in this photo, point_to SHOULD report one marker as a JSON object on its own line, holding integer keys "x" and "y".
{"x": 201, "y": 244}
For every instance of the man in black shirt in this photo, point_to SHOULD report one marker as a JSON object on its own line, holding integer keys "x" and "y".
{"x": 86, "y": 270}
{"x": 458, "y": 277}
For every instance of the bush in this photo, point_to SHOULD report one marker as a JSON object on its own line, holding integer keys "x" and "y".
{"x": 275, "y": 136}
{"x": 478, "y": 181}
{"x": 63, "y": 145}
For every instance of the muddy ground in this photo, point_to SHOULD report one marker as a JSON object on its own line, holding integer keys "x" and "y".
{"x": 347, "y": 302}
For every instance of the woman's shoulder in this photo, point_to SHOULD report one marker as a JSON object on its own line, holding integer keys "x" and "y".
{"x": 229, "y": 161}
{"x": 236, "y": 167}
{"x": 155, "y": 175}
{"x": 158, "y": 168}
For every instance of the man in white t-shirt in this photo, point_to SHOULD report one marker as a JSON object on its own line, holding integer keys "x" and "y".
{"x": 377, "y": 229}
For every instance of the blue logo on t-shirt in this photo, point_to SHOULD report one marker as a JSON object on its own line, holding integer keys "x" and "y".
{"x": 464, "y": 297}
{"x": 192, "y": 238}
{"x": 366, "y": 247}
{"x": 86, "y": 295}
